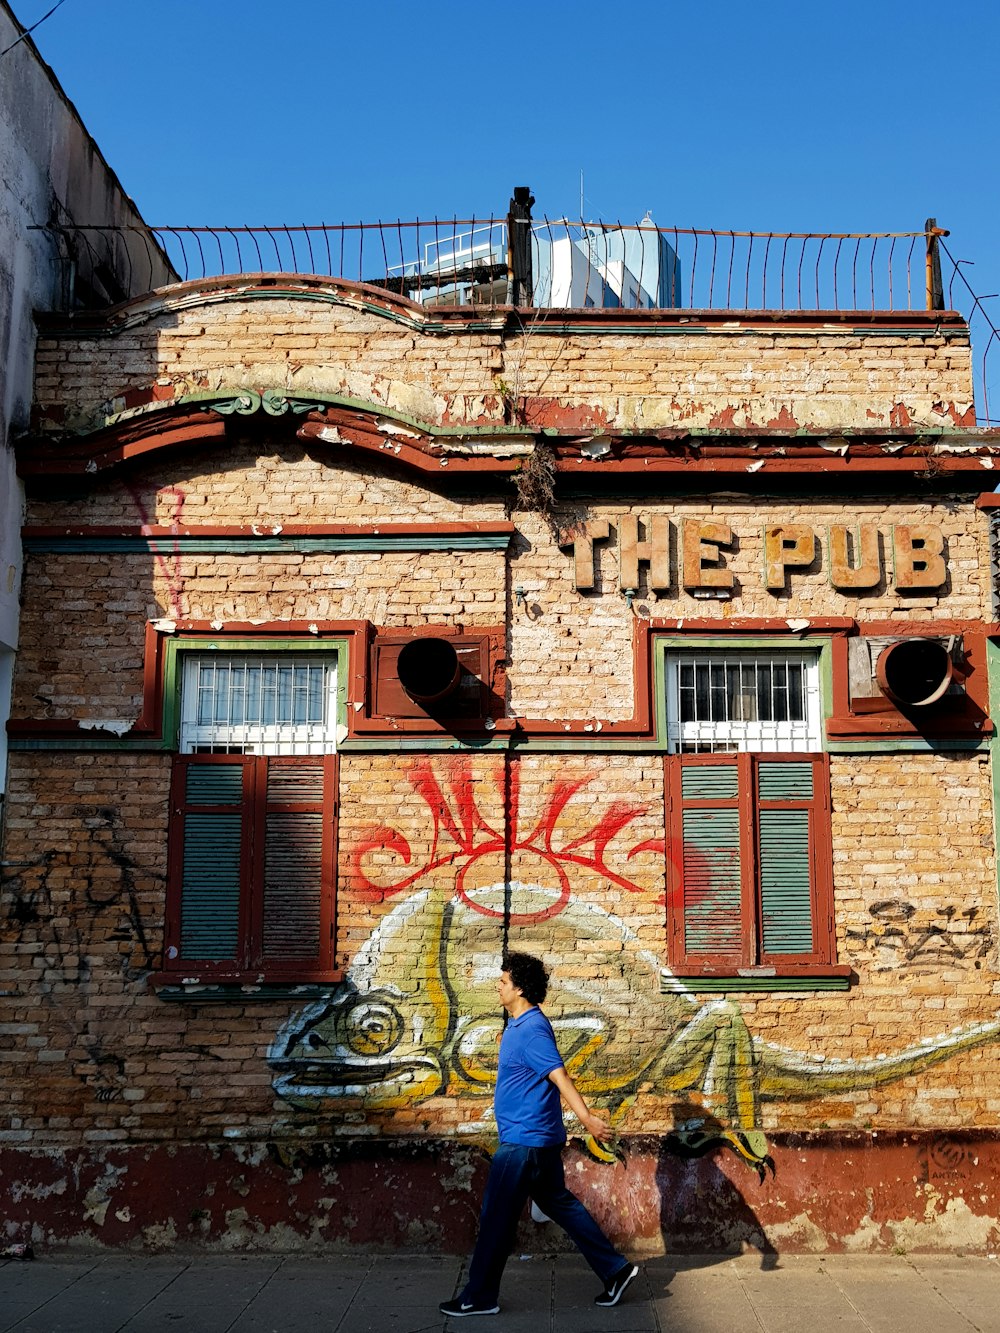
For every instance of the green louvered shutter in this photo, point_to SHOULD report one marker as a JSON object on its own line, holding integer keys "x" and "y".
{"x": 297, "y": 862}
{"x": 212, "y": 854}
{"x": 786, "y": 796}
{"x": 710, "y": 861}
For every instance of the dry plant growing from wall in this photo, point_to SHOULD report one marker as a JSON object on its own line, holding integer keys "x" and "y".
{"x": 535, "y": 481}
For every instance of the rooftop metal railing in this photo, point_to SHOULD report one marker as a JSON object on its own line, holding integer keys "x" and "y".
{"x": 579, "y": 265}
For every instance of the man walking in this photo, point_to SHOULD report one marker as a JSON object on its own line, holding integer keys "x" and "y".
{"x": 530, "y": 1081}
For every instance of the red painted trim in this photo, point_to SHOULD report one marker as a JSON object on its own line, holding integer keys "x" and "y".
{"x": 107, "y": 448}
{"x": 840, "y": 673}
{"x": 149, "y": 724}
{"x": 991, "y": 500}
{"x": 368, "y": 439}
{"x": 943, "y": 722}
{"x": 750, "y": 911}
{"x": 817, "y": 465}
{"x": 669, "y": 450}
{"x": 783, "y": 970}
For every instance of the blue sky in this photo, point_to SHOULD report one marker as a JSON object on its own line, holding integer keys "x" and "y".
{"x": 772, "y": 116}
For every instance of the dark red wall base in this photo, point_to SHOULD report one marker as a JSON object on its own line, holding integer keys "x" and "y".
{"x": 863, "y": 1192}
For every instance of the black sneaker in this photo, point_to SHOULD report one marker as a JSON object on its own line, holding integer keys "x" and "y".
{"x": 459, "y": 1308}
{"x": 615, "y": 1289}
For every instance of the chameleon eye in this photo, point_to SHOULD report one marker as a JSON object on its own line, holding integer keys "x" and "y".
{"x": 372, "y": 1027}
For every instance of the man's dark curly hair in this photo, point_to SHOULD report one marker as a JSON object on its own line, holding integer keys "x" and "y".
{"x": 528, "y": 974}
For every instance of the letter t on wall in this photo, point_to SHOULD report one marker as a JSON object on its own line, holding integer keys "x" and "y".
{"x": 582, "y": 539}
{"x": 786, "y": 546}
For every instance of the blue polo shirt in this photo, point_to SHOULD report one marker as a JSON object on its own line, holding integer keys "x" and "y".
{"x": 527, "y": 1106}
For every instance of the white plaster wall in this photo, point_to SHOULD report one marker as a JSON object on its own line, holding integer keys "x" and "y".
{"x": 49, "y": 168}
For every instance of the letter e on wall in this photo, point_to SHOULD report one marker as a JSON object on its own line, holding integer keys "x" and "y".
{"x": 701, "y": 559}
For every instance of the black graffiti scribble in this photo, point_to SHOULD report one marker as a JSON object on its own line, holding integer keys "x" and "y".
{"x": 60, "y": 899}
{"x": 946, "y": 1154}
{"x": 35, "y": 912}
{"x": 960, "y": 936}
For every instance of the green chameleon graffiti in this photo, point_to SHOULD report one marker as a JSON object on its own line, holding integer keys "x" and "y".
{"x": 389, "y": 1037}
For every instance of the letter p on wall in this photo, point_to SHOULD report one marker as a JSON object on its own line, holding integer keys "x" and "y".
{"x": 786, "y": 546}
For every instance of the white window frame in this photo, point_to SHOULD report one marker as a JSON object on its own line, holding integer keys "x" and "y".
{"x": 241, "y": 736}
{"x": 708, "y": 736}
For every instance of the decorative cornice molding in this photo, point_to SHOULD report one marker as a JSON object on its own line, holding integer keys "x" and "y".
{"x": 272, "y": 401}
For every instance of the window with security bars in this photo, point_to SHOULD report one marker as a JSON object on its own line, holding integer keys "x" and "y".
{"x": 720, "y": 702}
{"x": 257, "y": 705}
{"x": 748, "y": 847}
{"x": 252, "y": 843}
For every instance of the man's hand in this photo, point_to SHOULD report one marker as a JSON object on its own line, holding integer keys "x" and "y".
{"x": 593, "y": 1124}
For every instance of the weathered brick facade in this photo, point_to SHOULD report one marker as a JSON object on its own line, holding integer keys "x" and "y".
{"x": 173, "y": 502}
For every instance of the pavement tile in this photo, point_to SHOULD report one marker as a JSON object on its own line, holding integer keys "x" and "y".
{"x": 26, "y": 1288}
{"x": 971, "y": 1286}
{"x": 317, "y": 1293}
{"x": 797, "y": 1293}
{"x": 699, "y": 1294}
{"x": 205, "y": 1297}
{"x": 889, "y": 1295}
{"x": 355, "y": 1293}
{"x": 104, "y": 1298}
{"x": 399, "y": 1295}
{"x": 525, "y": 1297}
{"x": 574, "y": 1311}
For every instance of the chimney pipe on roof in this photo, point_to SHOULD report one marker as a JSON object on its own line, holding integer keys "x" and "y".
{"x": 519, "y": 276}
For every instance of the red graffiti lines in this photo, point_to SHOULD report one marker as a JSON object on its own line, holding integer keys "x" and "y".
{"x": 459, "y": 834}
{"x": 165, "y": 551}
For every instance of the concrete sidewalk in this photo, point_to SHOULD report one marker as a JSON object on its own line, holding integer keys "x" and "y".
{"x": 388, "y": 1294}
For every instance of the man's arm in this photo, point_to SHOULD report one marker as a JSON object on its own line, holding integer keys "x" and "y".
{"x": 592, "y": 1123}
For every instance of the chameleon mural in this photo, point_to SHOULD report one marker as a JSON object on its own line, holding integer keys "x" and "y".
{"x": 385, "y": 1039}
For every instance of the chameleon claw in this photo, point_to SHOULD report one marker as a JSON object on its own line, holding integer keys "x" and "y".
{"x": 750, "y": 1145}
{"x": 602, "y": 1152}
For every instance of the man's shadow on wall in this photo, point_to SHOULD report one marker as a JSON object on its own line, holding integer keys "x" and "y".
{"x": 703, "y": 1211}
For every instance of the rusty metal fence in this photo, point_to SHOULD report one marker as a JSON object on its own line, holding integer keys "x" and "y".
{"x": 576, "y": 265}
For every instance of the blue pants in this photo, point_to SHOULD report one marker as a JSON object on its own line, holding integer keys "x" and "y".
{"x": 517, "y": 1173}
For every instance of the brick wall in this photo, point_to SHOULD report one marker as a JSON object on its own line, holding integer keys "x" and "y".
{"x": 724, "y": 373}
{"x": 431, "y": 833}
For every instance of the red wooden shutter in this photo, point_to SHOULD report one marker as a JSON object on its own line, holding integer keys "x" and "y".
{"x": 707, "y": 855}
{"x": 295, "y": 862}
{"x": 792, "y": 823}
{"x": 210, "y": 854}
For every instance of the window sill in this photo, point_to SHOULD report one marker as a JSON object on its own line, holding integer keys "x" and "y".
{"x": 206, "y": 988}
{"x": 836, "y": 977}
